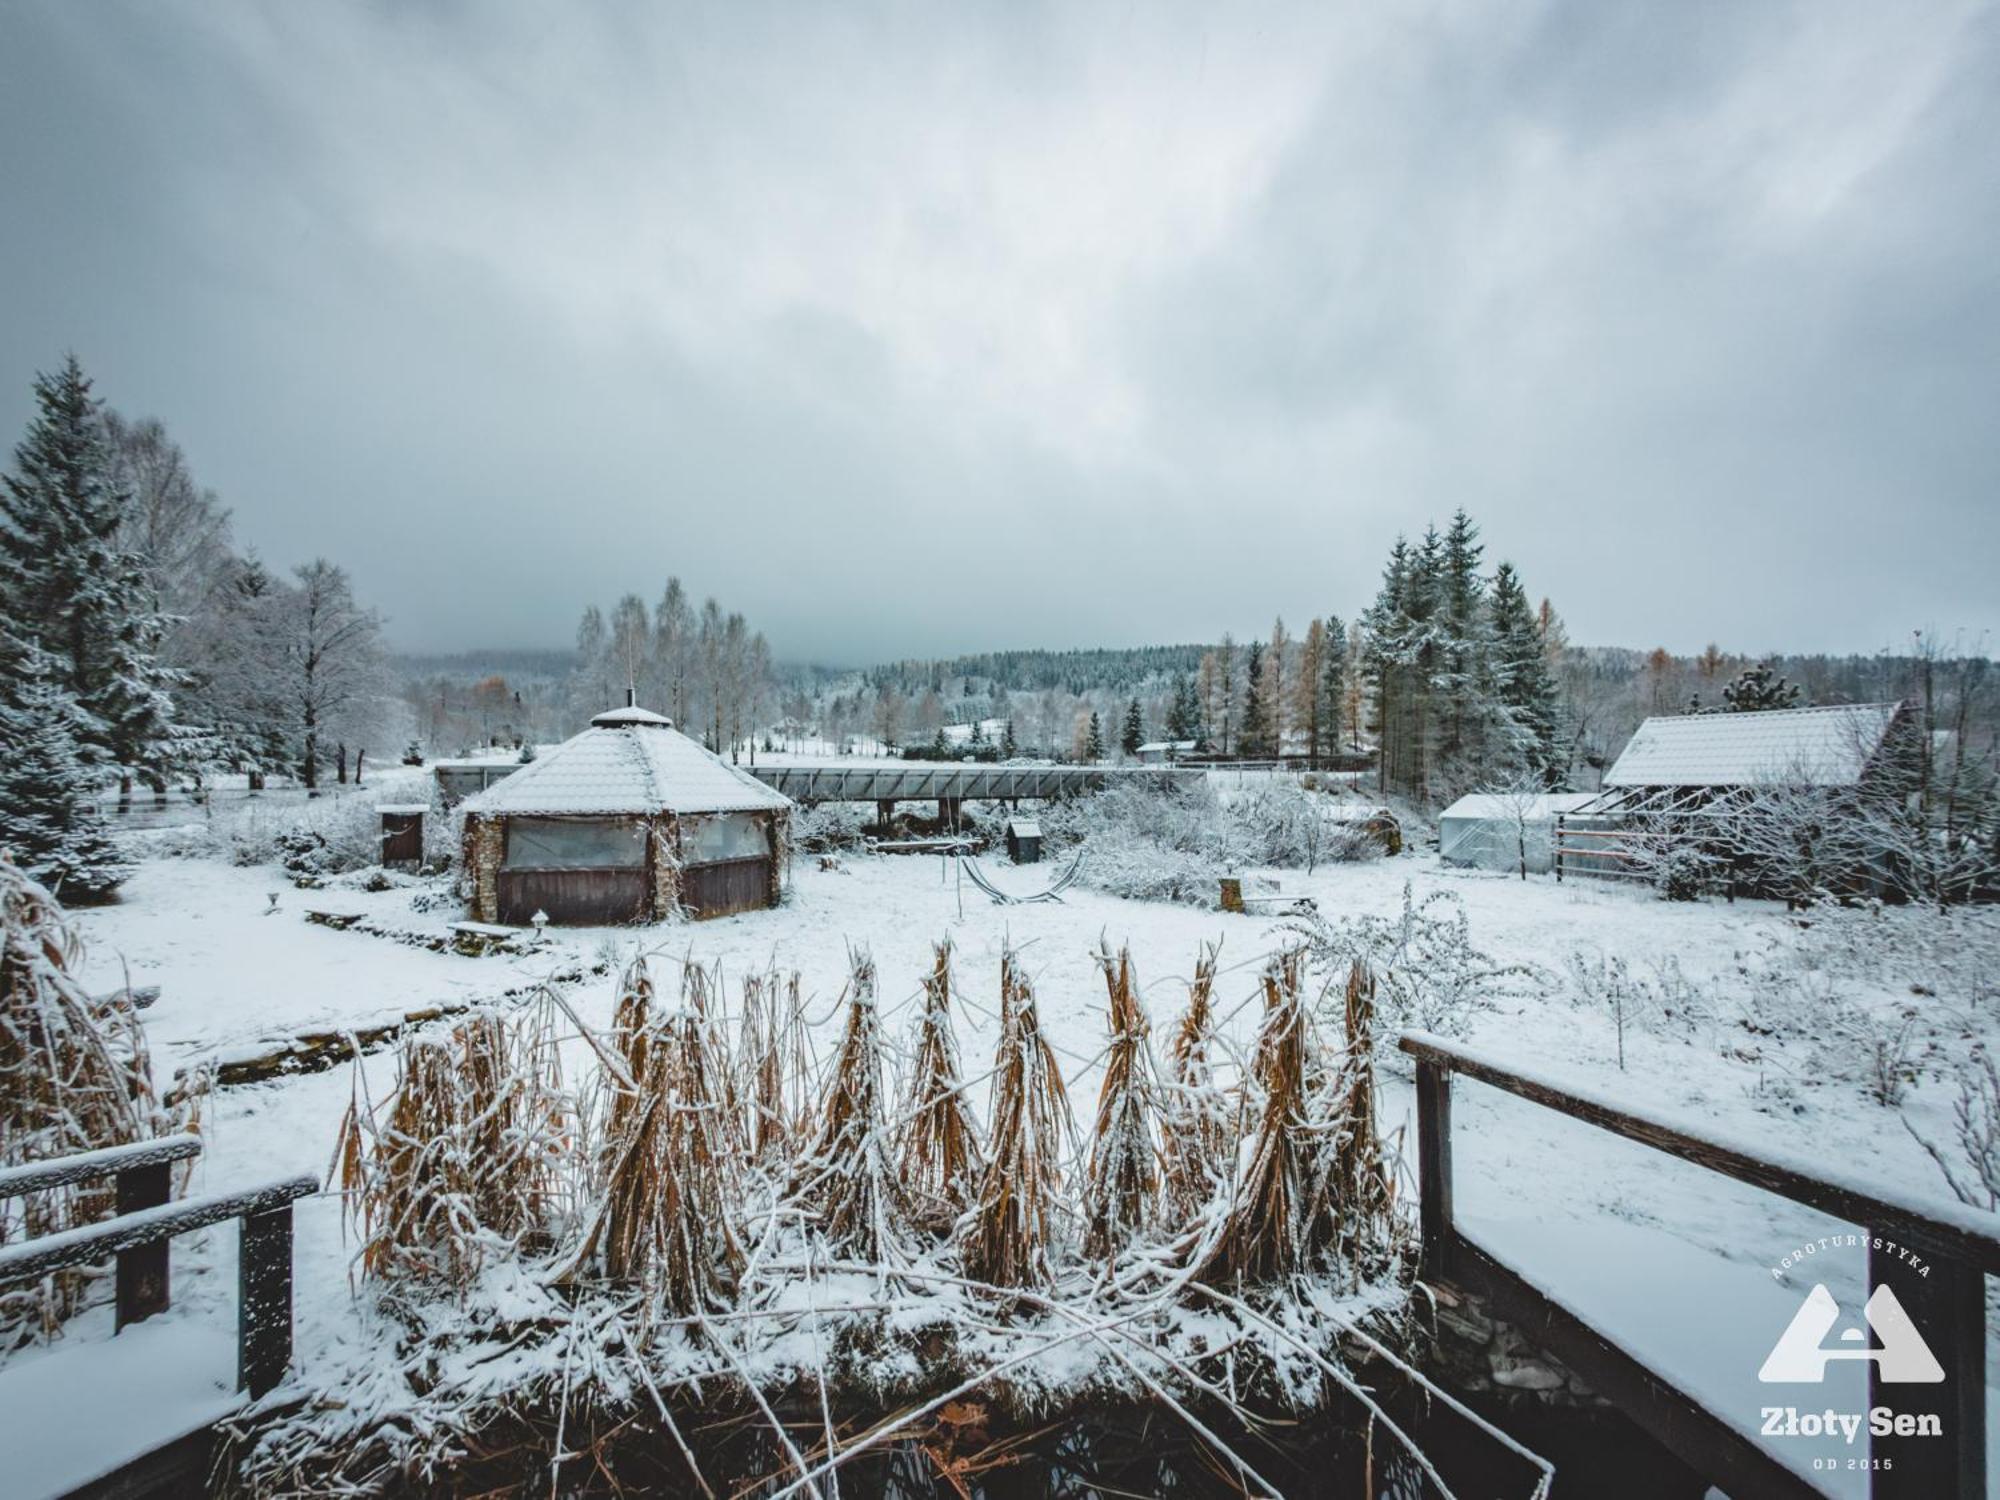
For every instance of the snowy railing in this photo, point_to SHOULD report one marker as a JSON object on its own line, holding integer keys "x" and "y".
{"x": 1942, "y": 1288}
{"x": 147, "y": 1220}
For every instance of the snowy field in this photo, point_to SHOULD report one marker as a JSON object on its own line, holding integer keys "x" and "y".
{"x": 1673, "y": 1262}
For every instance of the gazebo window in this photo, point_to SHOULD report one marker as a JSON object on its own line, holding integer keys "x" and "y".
{"x": 573, "y": 844}
{"x": 723, "y": 836}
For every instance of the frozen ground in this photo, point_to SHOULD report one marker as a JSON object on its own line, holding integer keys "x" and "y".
{"x": 1671, "y": 1261}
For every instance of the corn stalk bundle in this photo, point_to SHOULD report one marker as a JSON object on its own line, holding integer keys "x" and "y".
{"x": 1361, "y": 1184}
{"x": 1122, "y": 1180}
{"x": 74, "y": 1076}
{"x": 666, "y": 1191}
{"x": 1008, "y": 1235}
{"x": 774, "y": 1066}
{"x": 939, "y": 1153}
{"x": 1281, "y": 1219}
{"x": 1194, "y": 1120}
{"x": 848, "y": 1179}
{"x": 470, "y": 1162}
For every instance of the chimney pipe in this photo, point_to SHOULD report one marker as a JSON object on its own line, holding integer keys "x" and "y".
{"x": 631, "y": 698}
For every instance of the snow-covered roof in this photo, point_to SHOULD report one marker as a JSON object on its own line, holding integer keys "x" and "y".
{"x": 1157, "y": 747}
{"x": 1534, "y": 807}
{"x": 628, "y": 761}
{"x": 1024, "y": 828}
{"x": 1781, "y": 747}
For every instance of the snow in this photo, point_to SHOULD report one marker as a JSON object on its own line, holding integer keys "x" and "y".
{"x": 1669, "y": 1260}
{"x": 627, "y": 768}
{"x": 1780, "y": 747}
{"x": 73, "y": 1413}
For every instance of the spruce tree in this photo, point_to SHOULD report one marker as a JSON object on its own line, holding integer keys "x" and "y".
{"x": 67, "y": 586}
{"x": 1758, "y": 689}
{"x": 1251, "y": 736}
{"x": 1093, "y": 742}
{"x": 44, "y": 825}
{"x": 1009, "y": 746}
{"x": 1333, "y": 683}
{"x": 1135, "y": 729}
{"x": 1522, "y": 683}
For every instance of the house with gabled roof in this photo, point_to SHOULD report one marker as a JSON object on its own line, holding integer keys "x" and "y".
{"x": 629, "y": 821}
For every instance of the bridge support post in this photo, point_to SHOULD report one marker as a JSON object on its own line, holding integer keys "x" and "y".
{"x": 1434, "y": 1169}
{"x": 142, "y": 1275}
{"x": 885, "y": 813}
{"x": 1948, "y": 1307}
{"x": 948, "y": 812}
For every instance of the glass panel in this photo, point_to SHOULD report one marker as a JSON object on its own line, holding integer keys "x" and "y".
{"x": 566, "y": 844}
{"x": 720, "y": 836}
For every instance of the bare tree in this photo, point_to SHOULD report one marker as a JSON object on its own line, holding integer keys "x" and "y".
{"x": 333, "y": 657}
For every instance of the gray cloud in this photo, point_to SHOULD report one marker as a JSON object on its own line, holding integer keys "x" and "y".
{"x": 908, "y": 329}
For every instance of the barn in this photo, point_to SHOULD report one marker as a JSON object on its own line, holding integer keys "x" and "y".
{"x": 1683, "y": 777}
{"x": 629, "y": 821}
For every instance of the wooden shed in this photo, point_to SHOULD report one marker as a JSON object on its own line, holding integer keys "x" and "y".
{"x": 1024, "y": 841}
{"x": 627, "y": 822}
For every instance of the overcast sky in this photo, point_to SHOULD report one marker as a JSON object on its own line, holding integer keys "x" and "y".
{"x": 922, "y": 328}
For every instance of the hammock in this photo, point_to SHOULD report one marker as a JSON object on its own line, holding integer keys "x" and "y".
{"x": 1000, "y": 898}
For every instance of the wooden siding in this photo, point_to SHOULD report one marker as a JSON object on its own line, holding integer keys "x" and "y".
{"x": 732, "y": 885}
{"x": 402, "y": 838}
{"x": 578, "y": 898}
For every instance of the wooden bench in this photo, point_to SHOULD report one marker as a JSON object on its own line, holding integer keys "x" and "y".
{"x": 339, "y": 921}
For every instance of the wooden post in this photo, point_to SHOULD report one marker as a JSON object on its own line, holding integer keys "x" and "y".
{"x": 264, "y": 1295}
{"x": 142, "y": 1276}
{"x": 1948, "y": 1309}
{"x": 1434, "y": 1168}
{"x": 1560, "y": 825}
{"x": 1232, "y": 894}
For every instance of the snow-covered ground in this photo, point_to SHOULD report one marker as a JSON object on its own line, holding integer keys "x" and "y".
{"x": 1672, "y": 1261}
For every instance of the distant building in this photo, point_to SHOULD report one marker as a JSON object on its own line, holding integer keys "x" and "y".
{"x": 1024, "y": 841}
{"x": 1165, "y": 752}
{"x": 1682, "y": 775}
{"x": 1502, "y": 830}
{"x": 627, "y": 822}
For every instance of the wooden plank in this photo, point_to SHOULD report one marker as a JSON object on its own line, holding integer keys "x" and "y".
{"x": 1945, "y": 1230}
{"x": 1948, "y": 1309}
{"x": 89, "y": 1166}
{"x": 142, "y": 1269}
{"x": 1434, "y": 1208}
{"x": 264, "y": 1299}
{"x": 1720, "y": 1453}
{"x": 94, "y": 1242}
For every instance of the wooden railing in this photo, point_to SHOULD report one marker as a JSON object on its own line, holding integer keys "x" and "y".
{"x": 1945, "y": 1295}
{"x": 147, "y": 1221}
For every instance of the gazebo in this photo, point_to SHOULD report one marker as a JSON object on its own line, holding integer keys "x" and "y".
{"x": 630, "y": 821}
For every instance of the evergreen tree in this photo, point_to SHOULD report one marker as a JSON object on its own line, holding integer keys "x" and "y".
{"x": 1093, "y": 740}
{"x": 44, "y": 826}
{"x": 1522, "y": 683}
{"x": 1184, "y": 713}
{"x": 1135, "y": 729}
{"x": 1009, "y": 746}
{"x": 1255, "y": 725}
{"x": 1757, "y": 689}
{"x": 1333, "y": 683}
{"x": 1461, "y": 677}
{"x": 70, "y": 589}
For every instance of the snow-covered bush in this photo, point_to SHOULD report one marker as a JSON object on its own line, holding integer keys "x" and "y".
{"x": 330, "y": 835}
{"x": 1174, "y": 841}
{"x": 1974, "y": 1174}
{"x": 826, "y": 827}
{"x": 1430, "y": 973}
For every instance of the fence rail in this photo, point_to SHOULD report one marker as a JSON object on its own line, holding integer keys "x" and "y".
{"x": 1948, "y": 1303}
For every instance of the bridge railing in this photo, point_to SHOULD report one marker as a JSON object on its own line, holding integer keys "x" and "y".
{"x": 147, "y": 1220}
{"x": 1945, "y": 1298}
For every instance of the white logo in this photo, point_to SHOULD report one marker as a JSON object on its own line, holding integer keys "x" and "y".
{"x": 1903, "y": 1358}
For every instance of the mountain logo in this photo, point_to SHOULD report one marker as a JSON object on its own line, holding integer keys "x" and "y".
{"x": 1801, "y": 1355}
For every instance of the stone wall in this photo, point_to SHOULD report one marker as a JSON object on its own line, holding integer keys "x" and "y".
{"x": 1479, "y": 1355}
{"x": 485, "y": 846}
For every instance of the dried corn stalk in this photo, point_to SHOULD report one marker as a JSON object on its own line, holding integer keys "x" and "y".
{"x": 1361, "y": 1184}
{"x": 1010, "y": 1230}
{"x": 1280, "y": 1219}
{"x": 74, "y": 1076}
{"x": 1194, "y": 1119}
{"x": 1122, "y": 1180}
{"x": 848, "y": 1179}
{"x": 939, "y": 1154}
